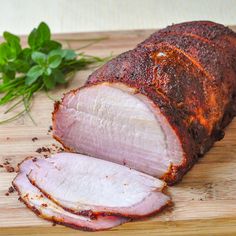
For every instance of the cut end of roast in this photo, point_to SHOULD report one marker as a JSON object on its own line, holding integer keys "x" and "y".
{"x": 114, "y": 122}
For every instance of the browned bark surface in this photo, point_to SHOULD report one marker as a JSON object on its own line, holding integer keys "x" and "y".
{"x": 189, "y": 71}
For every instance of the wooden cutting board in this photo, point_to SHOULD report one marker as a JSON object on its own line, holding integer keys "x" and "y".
{"x": 204, "y": 202}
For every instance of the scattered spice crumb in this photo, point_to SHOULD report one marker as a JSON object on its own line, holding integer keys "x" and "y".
{"x": 7, "y": 166}
{"x": 201, "y": 199}
{"x": 44, "y": 205}
{"x": 7, "y": 138}
{"x": 34, "y": 159}
{"x": 50, "y": 150}
{"x": 49, "y": 130}
{"x": 34, "y": 139}
{"x": 9, "y": 169}
{"x": 43, "y": 149}
{"x": 54, "y": 224}
{"x": 11, "y": 190}
{"x": 39, "y": 150}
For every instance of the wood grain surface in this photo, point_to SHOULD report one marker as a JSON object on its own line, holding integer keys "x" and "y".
{"x": 204, "y": 202}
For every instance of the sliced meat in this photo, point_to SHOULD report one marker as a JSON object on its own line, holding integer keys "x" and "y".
{"x": 156, "y": 108}
{"x": 45, "y": 208}
{"x": 83, "y": 184}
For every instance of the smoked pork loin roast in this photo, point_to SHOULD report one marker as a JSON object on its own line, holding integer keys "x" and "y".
{"x": 156, "y": 108}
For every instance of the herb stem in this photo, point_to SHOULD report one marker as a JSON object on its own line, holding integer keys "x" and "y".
{"x": 13, "y": 106}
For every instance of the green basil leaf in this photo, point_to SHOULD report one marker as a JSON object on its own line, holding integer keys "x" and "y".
{"x": 19, "y": 65}
{"x": 43, "y": 32}
{"x": 58, "y": 51}
{"x": 12, "y": 53}
{"x": 11, "y": 37}
{"x": 39, "y": 58}
{"x": 8, "y": 75}
{"x": 59, "y": 77}
{"x": 32, "y": 38}
{"x": 3, "y": 53}
{"x": 48, "y": 71}
{"x": 69, "y": 54}
{"x": 33, "y": 74}
{"x": 64, "y": 53}
{"x": 7, "y": 53}
{"x": 50, "y": 45}
{"x": 39, "y": 36}
{"x": 11, "y": 65}
{"x": 54, "y": 61}
{"x": 49, "y": 82}
{"x": 26, "y": 55}
{"x": 14, "y": 43}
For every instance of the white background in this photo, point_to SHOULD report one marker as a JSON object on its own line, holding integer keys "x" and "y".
{"x": 20, "y": 16}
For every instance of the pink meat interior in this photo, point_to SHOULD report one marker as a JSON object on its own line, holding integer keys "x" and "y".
{"x": 112, "y": 122}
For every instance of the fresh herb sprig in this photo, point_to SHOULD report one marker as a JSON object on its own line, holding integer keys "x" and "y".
{"x": 42, "y": 65}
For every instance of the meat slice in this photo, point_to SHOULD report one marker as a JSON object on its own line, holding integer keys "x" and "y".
{"x": 156, "y": 108}
{"x": 45, "y": 208}
{"x": 86, "y": 185}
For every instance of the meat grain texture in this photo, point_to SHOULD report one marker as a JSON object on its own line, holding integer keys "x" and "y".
{"x": 185, "y": 74}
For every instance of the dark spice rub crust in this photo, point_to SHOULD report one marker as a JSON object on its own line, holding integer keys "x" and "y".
{"x": 189, "y": 71}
